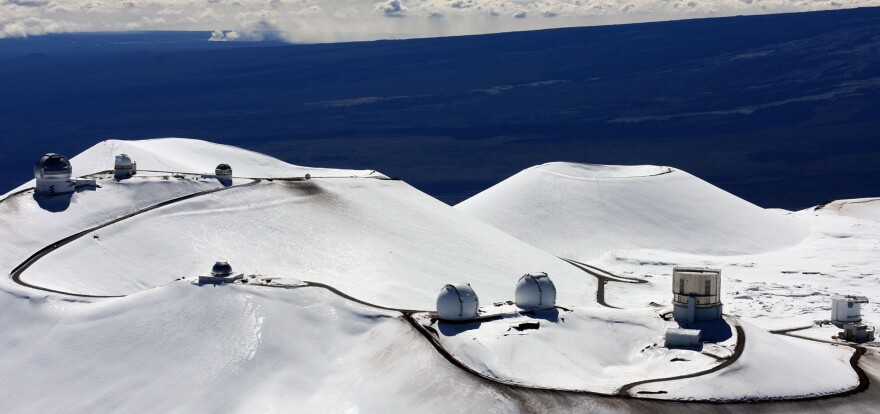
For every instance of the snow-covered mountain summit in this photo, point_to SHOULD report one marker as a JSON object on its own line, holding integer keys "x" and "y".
{"x": 587, "y": 211}
{"x": 336, "y": 307}
{"x": 348, "y": 228}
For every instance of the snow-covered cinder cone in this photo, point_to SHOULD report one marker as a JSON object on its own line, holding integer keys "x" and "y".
{"x": 696, "y": 294}
{"x": 535, "y": 291}
{"x": 220, "y": 273}
{"x": 124, "y": 167}
{"x": 457, "y": 301}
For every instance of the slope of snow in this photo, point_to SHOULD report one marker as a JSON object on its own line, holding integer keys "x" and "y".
{"x": 378, "y": 240}
{"x": 779, "y": 268}
{"x": 865, "y": 208}
{"x": 782, "y": 289}
{"x": 585, "y": 349}
{"x": 770, "y": 366}
{"x": 585, "y": 212}
{"x": 174, "y": 346}
{"x": 29, "y": 222}
{"x": 184, "y": 348}
{"x": 192, "y": 156}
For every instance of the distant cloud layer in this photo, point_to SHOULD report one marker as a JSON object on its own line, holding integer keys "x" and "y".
{"x": 341, "y": 20}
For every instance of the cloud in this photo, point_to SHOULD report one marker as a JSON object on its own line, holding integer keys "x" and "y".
{"x": 346, "y": 20}
{"x": 390, "y": 8}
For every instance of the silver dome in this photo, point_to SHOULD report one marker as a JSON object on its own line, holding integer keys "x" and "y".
{"x": 223, "y": 169}
{"x": 52, "y": 166}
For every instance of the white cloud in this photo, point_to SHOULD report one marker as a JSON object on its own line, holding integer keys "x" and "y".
{"x": 390, "y": 8}
{"x": 341, "y": 20}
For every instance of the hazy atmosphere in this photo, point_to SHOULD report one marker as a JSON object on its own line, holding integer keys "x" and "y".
{"x": 307, "y": 21}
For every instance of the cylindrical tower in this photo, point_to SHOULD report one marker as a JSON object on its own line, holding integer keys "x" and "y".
{"x": 696, "y": 294}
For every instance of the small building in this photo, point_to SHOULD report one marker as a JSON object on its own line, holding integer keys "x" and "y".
{"x": 857, "y": 332}
{"x": 223, "y": 170}
{"x": 220, "y": 273}
{"x": 124, "y": 167}
{"x": 846, "y": 309}
{"x": 457, "y": 301}
{"x": 535, "y": 291}
{"x": 696, "y": 294}
{"x": 682, "y": 338}
{"x": 53, "y": 175}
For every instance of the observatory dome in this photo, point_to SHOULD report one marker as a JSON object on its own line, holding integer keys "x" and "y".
{"x": 535, "y": 291}
{"x": 221, "y": 269}
{"x": 223, "y": 169}
{"x": 124, "y": 166}
{"x": 457, "y": 301}
{"x": 52, "y": 167}
{"x": 123, "y": 161}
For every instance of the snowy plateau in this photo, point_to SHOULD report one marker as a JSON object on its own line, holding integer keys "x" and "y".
{"x": 336, "y": 310}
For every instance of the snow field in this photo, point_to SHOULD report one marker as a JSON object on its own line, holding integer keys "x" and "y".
{"x": 771, "y": 367}
{"x": 183, "y": 348}
{"x": 587, "y": 349}
{"x": 378, "y": 240}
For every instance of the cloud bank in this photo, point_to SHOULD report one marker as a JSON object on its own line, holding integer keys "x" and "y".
{"x": 311, "y": 21}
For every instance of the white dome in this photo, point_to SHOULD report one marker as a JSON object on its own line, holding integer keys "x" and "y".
{"x": 52, "y": 167}
{"x": 535, "y": 291}
{"x": 457, "y": 301}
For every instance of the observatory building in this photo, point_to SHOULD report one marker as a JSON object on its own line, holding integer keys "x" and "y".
{"x": 696, "y": 294}
{"x": 124, "y": 167}
{"x": 457, "y": 301}
{"x": 682, "y": 338}
{"x": 53, "y": 174}
{"x": 535, "y": 291}
{"x": 223, "y": 170}
{"x": 220, "y": 273}
{"x": 857, "y": 332}
{"x": 846, "y": 309}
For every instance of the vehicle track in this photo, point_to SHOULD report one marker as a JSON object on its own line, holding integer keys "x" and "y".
{"x": 737, "y": 352}
{"x": 18, "y": 270}
{"x": 604, "y": 277}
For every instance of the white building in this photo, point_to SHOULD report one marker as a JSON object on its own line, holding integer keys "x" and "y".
{"x": 53, "y": 175}
{"x": 457, "y": 301}
{"x": 535, "y": 291}
{"x": 682, "y": 338}
{"x": 220, "y": 273}
{"x": 124, "y": 167}
{"x": 846, "y": 309}
{"x": 696, "y": 294}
